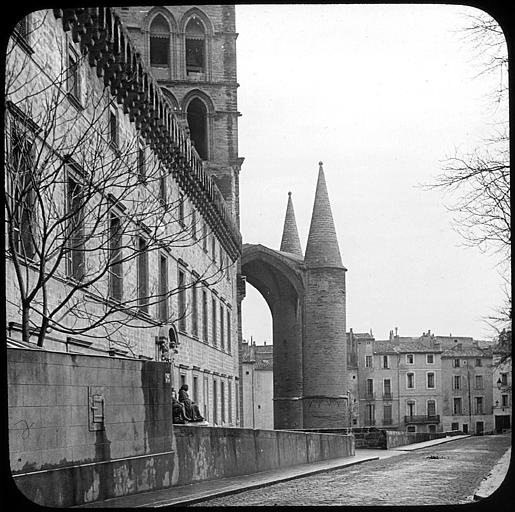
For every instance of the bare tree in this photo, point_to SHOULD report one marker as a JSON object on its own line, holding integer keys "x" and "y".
{"x": 478, "y": 183}
{"x": 89, "y": 209}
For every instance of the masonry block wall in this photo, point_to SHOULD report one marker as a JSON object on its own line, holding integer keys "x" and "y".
{"x": 96, "y": 427}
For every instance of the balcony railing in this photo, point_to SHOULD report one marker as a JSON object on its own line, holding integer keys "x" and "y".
{"x": 370, "y": 396}
{"x": 422, "y": 418}
{"x": 388, "y": 396}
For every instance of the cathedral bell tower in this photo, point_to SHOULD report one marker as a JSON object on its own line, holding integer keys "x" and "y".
{"x": 191, "y": 51}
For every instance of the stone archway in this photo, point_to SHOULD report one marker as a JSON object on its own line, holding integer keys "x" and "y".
{"x": 278, "y": 277}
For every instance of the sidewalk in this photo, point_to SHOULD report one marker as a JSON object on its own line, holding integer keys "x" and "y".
{"x": 495, "y": 478}
{"x": 201, "y": 491}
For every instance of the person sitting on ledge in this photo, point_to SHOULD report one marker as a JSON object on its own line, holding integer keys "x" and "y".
{"x": 178, "y": 411}
{"x": 190, "y": 407}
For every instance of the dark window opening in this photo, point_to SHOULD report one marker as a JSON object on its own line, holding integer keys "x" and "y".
{"x": 76, "y": 265}
{"x": 159, "y": 42}
{"x": 197, "y": 123}
{"x": 163, "y": 288}
{"x": 182, "y": 301}
{"x": 22, "y": 191}
{"x": 195, "y": 46}
{"x": 116, "y": 266}
{"x": 142, "y": 275}
{"x": 73, "y": 79}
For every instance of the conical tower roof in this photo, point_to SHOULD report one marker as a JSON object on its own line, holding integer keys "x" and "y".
{"x": 290, "y": 241}
{"x": 322, "y": 248}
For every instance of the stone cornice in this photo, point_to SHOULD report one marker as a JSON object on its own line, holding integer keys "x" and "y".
{"x": 105, "y": 40}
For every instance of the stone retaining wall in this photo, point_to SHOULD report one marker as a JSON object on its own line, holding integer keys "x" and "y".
{"x": 206, "y": 453}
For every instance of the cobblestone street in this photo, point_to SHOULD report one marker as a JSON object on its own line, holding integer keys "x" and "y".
{"x": 444, "y": 474}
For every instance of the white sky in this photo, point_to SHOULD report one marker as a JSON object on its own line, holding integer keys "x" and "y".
{"x": 382, "y": 94}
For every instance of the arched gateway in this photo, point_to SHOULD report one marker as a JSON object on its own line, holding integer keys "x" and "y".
{"x": 306, "y": 296}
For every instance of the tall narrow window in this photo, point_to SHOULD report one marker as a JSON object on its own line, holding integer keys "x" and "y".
{"x": 163, "y": 194}
{"x": 214, "y": 326}
{"x": 142, "y": 275}
{"x": 479, "y": 404}
{"x": 197, "y": 123}
{"x": 430, "y": 380}
{"x": 204, "y": 235}
{"x": 222, "y": 400}
{"x": 229, "y": 401}
{"x": 215, "y": 401}
{"x": 142, "y": 169}
{"x": 113, "y": 125}
{"x": 387, "y": 414}
{"x": 368, "y": 361}
{"x": 181, "y": 209}
{"x": 76, "y": 257}
{"x": 222, "y": 327}
{"x": 431, "y": 408}
{"x": 73, "y": 77}
{"x": 370, "y": 388}
{"x": 195, "y": 389}
{"x": 229, "y": 337}
{"x": 479, "y": 382}
{"x": 194, "y": 311}
{"x": 182, "y": 300}
{"x": 205, "y": 321}
{"x": 457, "y": 409}
{"x": 205, "y": 394}
{"x": 385, "y": 362}
{"x": 410, "y": 380}
{"x": 23, "y": 187}
{"x": 410, "y": 408}
{"x": 115, "y": 264}
{"x": 195, "y": 46}
{"x": 159, "y": 42}
{"x": 163, "y": 288}
{"x": 387, "y": 389}
{"x": 194, "y": 223}
{"x": 456, "y": 382}
{"x": 370, "y": 412}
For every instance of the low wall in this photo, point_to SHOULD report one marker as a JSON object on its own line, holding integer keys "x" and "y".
{"x": 84, "y": 428}
{"x": 398, "y": 438}
{"x": 206, "y": 453}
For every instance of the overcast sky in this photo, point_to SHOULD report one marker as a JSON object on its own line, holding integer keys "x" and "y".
{"x": 382, "y": 94}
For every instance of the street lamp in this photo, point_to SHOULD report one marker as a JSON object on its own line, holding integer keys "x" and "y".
{"x": 499, "y": 383}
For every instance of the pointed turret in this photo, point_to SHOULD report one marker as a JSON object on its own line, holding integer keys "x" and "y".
{"x": 322, "y": 248}
{"x": 290, "y": 241}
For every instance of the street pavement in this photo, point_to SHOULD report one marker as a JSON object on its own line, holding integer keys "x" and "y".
{"x": 447, "y": 473}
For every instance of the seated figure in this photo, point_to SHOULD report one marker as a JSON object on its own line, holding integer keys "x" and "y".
{"x": 190, "y": 407}
{"x": 178, "y": 411}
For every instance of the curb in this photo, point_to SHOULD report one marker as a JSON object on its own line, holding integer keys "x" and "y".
{"x": 221, "y": 493}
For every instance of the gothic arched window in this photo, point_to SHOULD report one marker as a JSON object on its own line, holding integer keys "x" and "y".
{"x": 159, "y": 42}
{"x": 197, "y": 123}
{"x": 195, "y": 46}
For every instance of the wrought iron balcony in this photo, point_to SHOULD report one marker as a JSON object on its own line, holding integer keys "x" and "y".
{"x": 422, "y": 418}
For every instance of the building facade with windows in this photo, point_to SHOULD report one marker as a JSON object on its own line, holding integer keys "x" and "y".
{"x": 467, "y": 388}
{"x": 121, "y": 211}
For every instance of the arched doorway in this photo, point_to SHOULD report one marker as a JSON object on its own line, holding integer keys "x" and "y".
{"x": 197, "y": 123}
